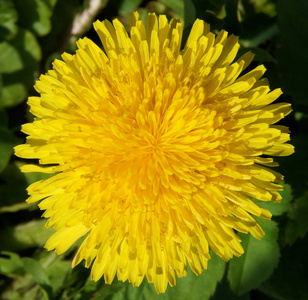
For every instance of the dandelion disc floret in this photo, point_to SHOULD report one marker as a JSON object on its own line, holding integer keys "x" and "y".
{"x": 157, "y": 152}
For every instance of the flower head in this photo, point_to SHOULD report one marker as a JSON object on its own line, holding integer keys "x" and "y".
{"x": 157, "y": 152}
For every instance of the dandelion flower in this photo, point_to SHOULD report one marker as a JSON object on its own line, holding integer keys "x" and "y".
{"x": 157, "y": 152}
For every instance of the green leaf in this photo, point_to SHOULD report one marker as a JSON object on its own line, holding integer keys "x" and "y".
{"x": 90, "y": 288}
{"x": 125, "y": 291}
{"x": 35, "y": 176}
{"x": 24, "y": 54}
{"x": 190, "y": 16}
{"x": 207, "y": 10}
{"x": 57, "y": 272}
{"x": 128, "y": 6}
{"x": 11, "y": 265}
{"x": 35, "y": 15}
{"x": 175, "y": 5}
{"x": 10, "y": 59}
{"x": 297, "y": 226}
{"x": 8, "y": 18}
{"x": 266, "y": 6}
{"x": 13, "y": 189}
{"x": 25, "y": 235}
{"x": 61, "y": 23}
{"x": 3, "y": 118}
{"x": 186, "y": 288}
{"x": 258, "y": 262}
{"x": 292, "y": 167}
{"x": 39, "y": 275}
{"x": 15, "y": 296}
{"x": 199, "y": 287}
{"x": 289, "y": 280}
{"x": 292, "y": 52}
{"x": 278, "y": 209}
{"x": 189, "y": 13}
{"x": 261, "y": 37}
{"x": 116, "y": 291}
{"x": 75, "y": 282}
{"x": 260, "y": 54}
{"x": 223, "y": 292}
{"x": 144, "y": 292}
{"x": 15, "y": 207}
{"x": 7, "y": 141}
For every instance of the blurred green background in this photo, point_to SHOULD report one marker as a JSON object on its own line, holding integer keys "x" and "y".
{"x": 35, "y": 32}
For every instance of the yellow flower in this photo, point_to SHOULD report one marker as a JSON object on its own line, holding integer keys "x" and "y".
{"x": 157, "y": 152}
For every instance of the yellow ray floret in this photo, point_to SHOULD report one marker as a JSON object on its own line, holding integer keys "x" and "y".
{"x": 157, "y": 152}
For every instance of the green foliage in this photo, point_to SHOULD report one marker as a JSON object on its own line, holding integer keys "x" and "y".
{"x": 36, "y": 15}
{"x": 177, "y": 6}
{"x": 8, "y": 18}
{"x": 277, "y": 209}
{"x": 292, "y": 53}
{"x": 128, "y": 6}
{"x": 39, "y": 275}
{"x": 294, "y": 167}
{"x": 20, "y": 58}
{"x": 289, "y": 280}
{"x": 7, "y": 141}
{"x": 13, "y": 187}
{"x": 25, "y": 235}
{"x": 258, "y": 261}
{"x": 34, "y": 32}
{"x": 265, "y": 6}
{"x": 198, "y": 287}
{"x": 190, "y": 287}
{"x": 297, "y": 226}
{"x": 10, "y": 264}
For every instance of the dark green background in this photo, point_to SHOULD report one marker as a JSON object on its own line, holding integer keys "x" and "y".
{"x": 35, "y": 32}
